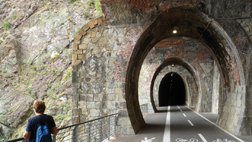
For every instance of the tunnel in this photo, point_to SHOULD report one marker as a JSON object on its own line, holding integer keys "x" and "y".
{"x": 172, "y": 90}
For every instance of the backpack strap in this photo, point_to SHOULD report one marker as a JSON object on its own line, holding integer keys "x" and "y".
{"x": 35, "y": 120}
{"x": 47, "y": 118}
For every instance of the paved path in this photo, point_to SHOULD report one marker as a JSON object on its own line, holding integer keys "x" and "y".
{"x": 180, "y": 124}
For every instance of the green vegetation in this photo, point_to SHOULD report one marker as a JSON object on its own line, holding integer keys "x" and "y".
{"x": 91, "y": 3}
{"x": 14, "y": 16}
{"x": 72, "y": 1}
{"x": 86, "y": 13}
{"x": 6, "y": 25}
{"x": 98, "y": 6}
{"x": 17, "y": 107}
{"x": 60, "y": 117}
{"x": 69, "y": 72}
{"x": 4, "y": 36}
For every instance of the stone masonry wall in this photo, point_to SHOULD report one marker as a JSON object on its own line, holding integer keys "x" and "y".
{"x": 99, "y": 73}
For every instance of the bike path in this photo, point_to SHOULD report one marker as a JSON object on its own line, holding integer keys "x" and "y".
{"x": 184, "y": 125}
{"x": 187, "y": 126}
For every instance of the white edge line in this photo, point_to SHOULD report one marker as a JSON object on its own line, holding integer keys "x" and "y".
{"x": 167, "y": 131}
{"x": 184, "y": 114}
{"x": 217, "y": 125}
{"x": 202, "y": 137}
{"x": 190, "y": 122}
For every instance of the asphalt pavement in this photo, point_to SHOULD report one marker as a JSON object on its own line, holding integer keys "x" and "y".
{"x": 181, "y": 124}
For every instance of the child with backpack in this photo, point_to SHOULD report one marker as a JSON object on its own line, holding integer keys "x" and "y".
{"x": 40, "y": 127}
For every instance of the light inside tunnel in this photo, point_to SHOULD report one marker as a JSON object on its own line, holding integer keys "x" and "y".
{"x": 173, "y": 95}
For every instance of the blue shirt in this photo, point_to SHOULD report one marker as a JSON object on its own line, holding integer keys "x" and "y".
{"x": 32, "y": 125}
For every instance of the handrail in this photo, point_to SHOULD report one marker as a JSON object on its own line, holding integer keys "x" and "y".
{"x": 74, "y": 125}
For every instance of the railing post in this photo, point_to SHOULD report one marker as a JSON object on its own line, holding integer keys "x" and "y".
{"x": 109, "y": 128}
{"x": 89, "y": 131}
{"x": 54, "y": 138}
{"x": 100, "y": 130}
{"x": 74, "y": 138}
{"x": 115, "y": 125}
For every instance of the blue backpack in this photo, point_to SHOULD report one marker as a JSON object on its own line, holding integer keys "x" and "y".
{"x": 43, "y": 134}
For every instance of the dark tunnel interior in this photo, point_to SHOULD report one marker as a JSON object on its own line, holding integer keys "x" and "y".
{"x": 171, "y": 90}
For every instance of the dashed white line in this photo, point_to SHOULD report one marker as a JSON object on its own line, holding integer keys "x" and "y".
{"x": 184, "y": 114}
{"x": 167, "y": 131}
{"x": 203, "y": 139}
{"x": 217, "y": 125}
{"x": 190, "y": 122}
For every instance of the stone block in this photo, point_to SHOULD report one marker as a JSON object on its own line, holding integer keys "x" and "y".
{"x": 80, "y": 57}
{"x": 108, "y": 48}
{"x": 98, "y": 34}
{"x": 95, "y": 21}
{"x": 85, "y": 27}
{"x": 99, "y": 97}
{"x": 127, "y": 130}
{"x": 98, "y": 104}
{"x": 76, "y": 119}
{"x": 90, "y": 105}
{"x": 76, "y": 62}
{"x": 82, "y": 32}
{"x": 99, "y": 21}
{"x": 122, "y": 121}
{"x": 111, "y": 97}
{"x": 94, "y": 40}
{"x": 86, "y": 40}
{"x": 74, "y": 57}
{"x": 76, "y": 41}
{"x": 90, "y": 97}
{"x": 75, "y": 46}
{"x": 110, "y": 105}
{"x": 78, "y": 36}
{"x": 83, "y": 106}
{"x": 76, "y": 111}
{"x": 83, "y": 46}
{"x": 91, "y": 24}
{"x": 94, "y": 112}
{"x": 83, "y": 97}
{"x": 92, "y": 34}
{"x": 123, "y": 113}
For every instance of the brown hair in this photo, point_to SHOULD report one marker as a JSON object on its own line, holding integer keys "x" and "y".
{"x": 39, "y": 106}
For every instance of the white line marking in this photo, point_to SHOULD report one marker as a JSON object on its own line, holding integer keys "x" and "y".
{"x": 167, "y": 131}
{"x": 190, "y": 122}
{"x": 178, "y": 107}
{"x": 181, "y": 110}
{"x": 184, "y": 114}
{"x": 217, "y": 126}
{"x": 203, "y": 139}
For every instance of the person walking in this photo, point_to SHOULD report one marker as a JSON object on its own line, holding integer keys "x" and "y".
{"x": 40, "y": 118}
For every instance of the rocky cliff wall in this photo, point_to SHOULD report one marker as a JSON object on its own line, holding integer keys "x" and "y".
{"x": 36, "y": 39}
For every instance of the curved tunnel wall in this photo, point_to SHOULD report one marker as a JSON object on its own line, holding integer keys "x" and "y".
{"x": 188, "y": 67}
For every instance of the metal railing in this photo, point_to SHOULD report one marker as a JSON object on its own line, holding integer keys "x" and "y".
{"x": 96, "y": 130}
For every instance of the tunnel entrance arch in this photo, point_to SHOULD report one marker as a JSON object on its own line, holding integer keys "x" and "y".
{"x": 172, "y": 90}
{"x": 179, "y": 62}
{"x": 189, "y": 22}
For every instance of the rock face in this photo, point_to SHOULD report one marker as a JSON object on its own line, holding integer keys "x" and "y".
{"x": 31, "y": 32}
